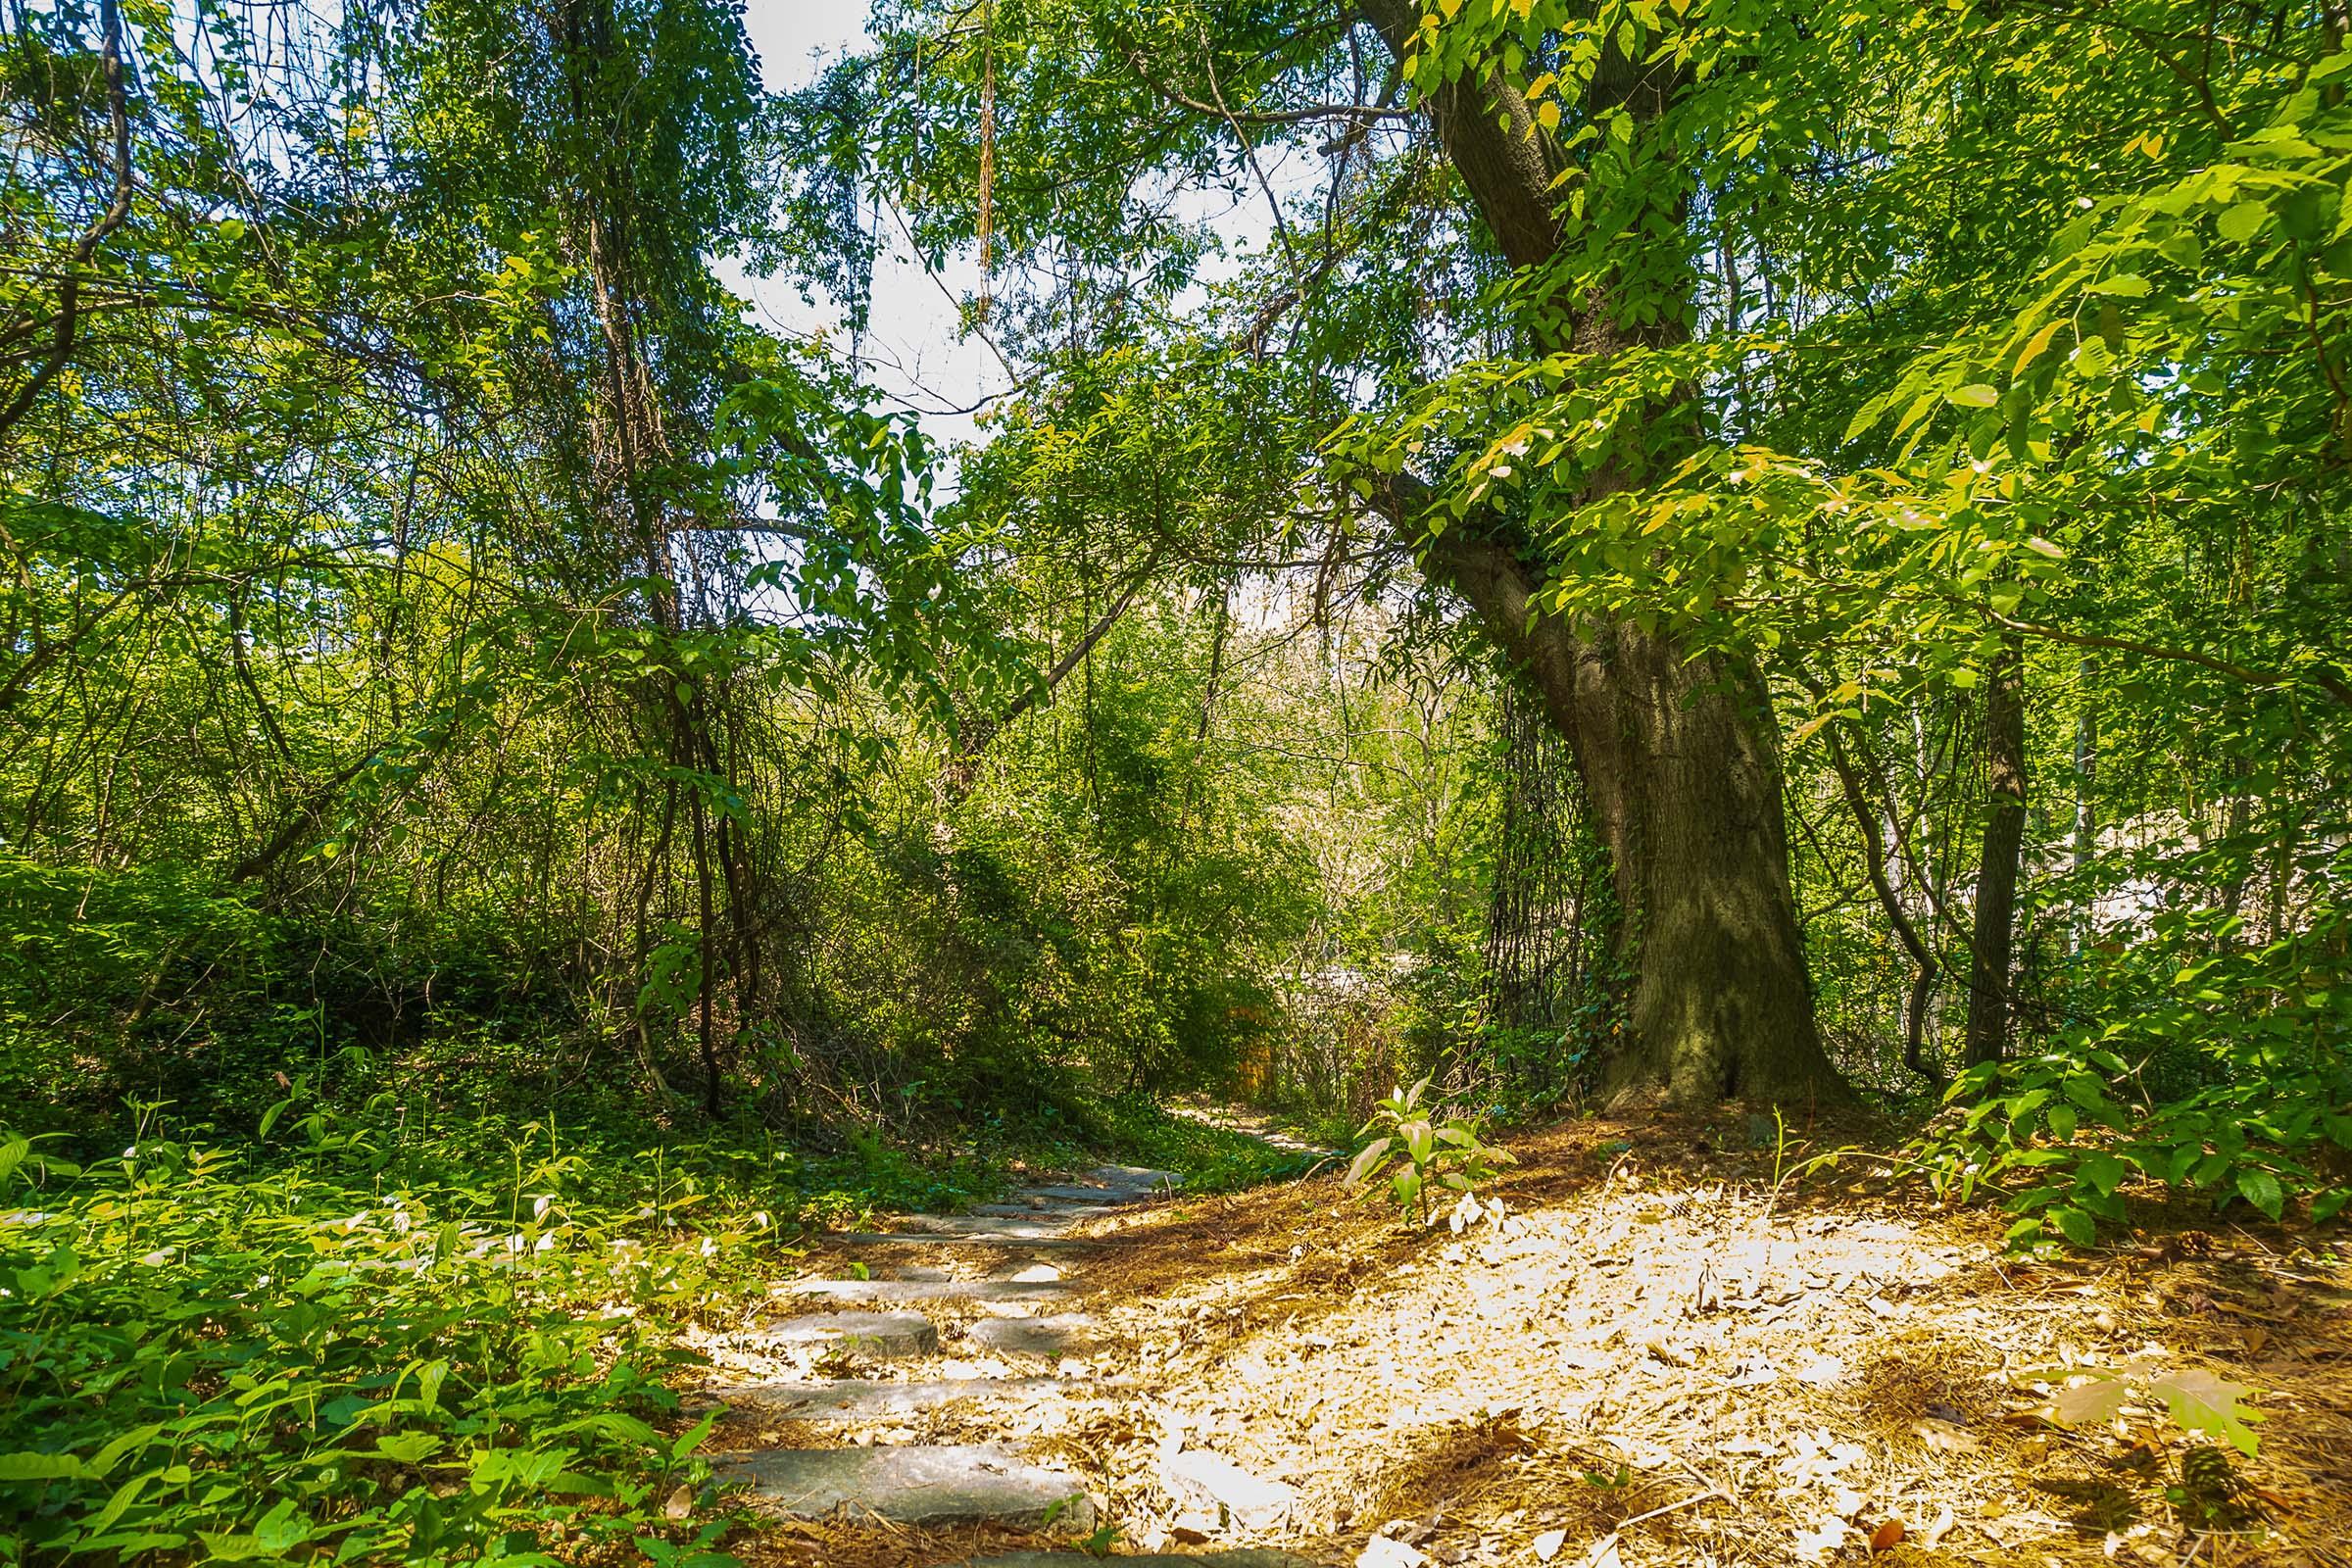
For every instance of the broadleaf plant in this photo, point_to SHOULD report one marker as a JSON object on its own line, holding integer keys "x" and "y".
{"x": 1423, "y": 1152}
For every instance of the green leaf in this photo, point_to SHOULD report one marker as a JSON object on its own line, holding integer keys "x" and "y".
{"x": 1975, "y": 395}
{"x": 2077, "y": 1225}
{"x": 2261, "y": 1189}
{"x": 2104, "y": 1172}
{"x": 693, "y": 1436}
{"x": 2086, "y": 1090}
{"x": 41, "y": 1467}
{"x": 1367, "y": 1160}
{"x": 408, "y": 1447}
{"x": 2208, "y": 1406}
{"x": 2243, "y": 222}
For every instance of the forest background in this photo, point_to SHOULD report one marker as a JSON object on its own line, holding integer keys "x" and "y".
{"x": 1575, "y": 549}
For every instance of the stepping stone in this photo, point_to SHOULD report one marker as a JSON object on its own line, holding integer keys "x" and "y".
{"x": 971, "y": 1225}
{"x": 897, "y": 1293}
{"x": 1071, "y": 1334}
{"x": 857, "y": 1399}
{"x": 1096, "y": 1196}
{"x": 889, "y": 1335}
{"x": 927, "y": 1484}
{"x": 1063, "y": 1212}
{"x": 1203, "y": 1481}
{"x": 1136, "y": 1176}
{"x": 975, "y": 1239}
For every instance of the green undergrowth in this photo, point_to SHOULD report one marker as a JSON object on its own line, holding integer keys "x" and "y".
{"x": 1210, "y": 1158}
{"x": 204, "y": 1357}
{"x": 342, "y": 1342}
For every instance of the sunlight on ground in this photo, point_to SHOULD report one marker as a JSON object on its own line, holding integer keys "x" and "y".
{"x": 1659, "y": 1364}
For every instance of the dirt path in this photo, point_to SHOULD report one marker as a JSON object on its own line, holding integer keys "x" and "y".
{"x": 1649, "y": 1361}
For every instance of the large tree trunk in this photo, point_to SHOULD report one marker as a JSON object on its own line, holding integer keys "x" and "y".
{"x": 1678, "y": 756}
{"x": 1679, "y": 762}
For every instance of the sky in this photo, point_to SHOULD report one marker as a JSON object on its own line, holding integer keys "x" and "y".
{"x": 911, "y": 349}
{"x": 914, "y": 351}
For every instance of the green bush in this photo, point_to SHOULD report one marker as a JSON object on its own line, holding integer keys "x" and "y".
{"x": 2263, "y": 1118}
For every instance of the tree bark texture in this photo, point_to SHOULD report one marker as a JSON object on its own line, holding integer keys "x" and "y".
{"x": 1988, "y": 1036}
{"x": 1678, "y": 756}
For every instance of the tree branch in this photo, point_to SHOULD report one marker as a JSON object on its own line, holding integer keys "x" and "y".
{"x": 60, "y": 347}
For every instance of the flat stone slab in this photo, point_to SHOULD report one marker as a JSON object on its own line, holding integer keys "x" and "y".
{"x": 981, "y": 1225}
{"x": 1133, "y": 1176}
{"x": 1062, "y": 1213}
{"x": 1205, "y": 1482}
{"x": 1071, "y": 1334}
{"x": 895, "y": 1291}
{"x": 860, "y": 1398}
{"x": 928, "y": 1485}
{"x": 890, "y": 1336}
{"x": 1094, "y": 1196}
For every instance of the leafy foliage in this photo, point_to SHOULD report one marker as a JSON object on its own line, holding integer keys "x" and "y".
{"x": 202, "y": 1357}
{"x": 2258, "y": 1030}
{"x": 1424, "y": 1154}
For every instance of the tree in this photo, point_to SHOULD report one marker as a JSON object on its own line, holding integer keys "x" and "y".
{"x": 1675, "y": 745}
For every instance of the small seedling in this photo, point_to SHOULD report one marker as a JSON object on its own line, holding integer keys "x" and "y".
{"x": 1428, "y": 1154}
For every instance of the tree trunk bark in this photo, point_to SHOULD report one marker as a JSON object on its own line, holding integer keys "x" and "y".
{"x": 1678, "y": 756}
{"x": 2087, "y": 774}
{"x": 1988, "y": 1038}
{"x": 1679, "y": 762}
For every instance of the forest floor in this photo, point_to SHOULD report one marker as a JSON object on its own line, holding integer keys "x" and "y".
{"x": 1659, "y": 1354}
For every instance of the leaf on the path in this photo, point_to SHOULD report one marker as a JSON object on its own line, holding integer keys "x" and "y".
{"x": 1381, "y": 1551}
{"x": 1944, "y": 1436}
{"x": 2097, "y": 1400}
{"x": 680, "y": 1503}
{"x": 1887, "y": 1535}
{"x": 1817, "y": 1544}
{"x": 1603, "y": 1555}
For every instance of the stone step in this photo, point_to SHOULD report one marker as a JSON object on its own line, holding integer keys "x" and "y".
{"x": 926, "y": 1485}
{"x": 1094, "y": 1197}
{"x": 1071, "y": 1334}
{"x": 886, "y": 1336}
{"x": 982, "y": 1225}
{"x": 861, "y": 1398}
{"x": 896, "y": 1292}
{"x": 1142, "y": 1176}
{"x": 1042, "y": 1211}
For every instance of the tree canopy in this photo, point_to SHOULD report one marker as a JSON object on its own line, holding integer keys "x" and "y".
{"x": 1584, "y": 551}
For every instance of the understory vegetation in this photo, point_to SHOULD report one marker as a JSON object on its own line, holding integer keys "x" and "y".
{"x": 1565, "y": 552}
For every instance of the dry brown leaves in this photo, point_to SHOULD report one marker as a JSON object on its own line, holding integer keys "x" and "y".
{"x": 1652, "y": 1361}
